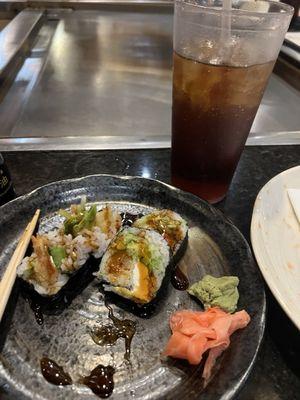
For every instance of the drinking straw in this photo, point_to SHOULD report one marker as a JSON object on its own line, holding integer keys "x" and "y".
{"x": 225, "y": 29}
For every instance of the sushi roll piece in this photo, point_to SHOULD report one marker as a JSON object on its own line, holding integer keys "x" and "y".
{"x": 52, "y": 262}
{"x": 62, "y": 261}
{"x": 135, "y": 264}
{"x": 95, "y": 228}
{"x": 167, "y": 223}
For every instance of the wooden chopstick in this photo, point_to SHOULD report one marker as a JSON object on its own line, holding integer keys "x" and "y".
{"x": 10, "y": 274}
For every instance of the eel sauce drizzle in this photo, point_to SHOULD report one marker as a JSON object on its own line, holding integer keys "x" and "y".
{"x": 109, "y": 334}
{"x": 179, "y": 280}
{"x": 38, "y": 315}
{"x": 100, "y": 381}
{"x": 54, "y": 373}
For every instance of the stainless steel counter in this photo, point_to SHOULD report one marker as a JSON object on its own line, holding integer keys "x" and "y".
{"x": 102, "y": 79}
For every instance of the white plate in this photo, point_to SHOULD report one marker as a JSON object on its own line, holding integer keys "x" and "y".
{"x": 275, "y": 237}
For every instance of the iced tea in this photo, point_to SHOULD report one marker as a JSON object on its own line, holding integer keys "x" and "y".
{"x": 213, "y": 110}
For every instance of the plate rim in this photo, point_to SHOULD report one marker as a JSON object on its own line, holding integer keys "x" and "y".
{"x": 255, "y": 220}
{"x": 237, "y": 385}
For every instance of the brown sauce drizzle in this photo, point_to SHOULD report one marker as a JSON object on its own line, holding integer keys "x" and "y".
{"x": 179, "y": 280}
{"x": 39, "y": 317}
{"x": 109, "y": 334}
{"x": 100, "y": 381}
{"x": 53, "y": 373}
{"x": 128, "y": 218}
{"x": 36, "y": 308}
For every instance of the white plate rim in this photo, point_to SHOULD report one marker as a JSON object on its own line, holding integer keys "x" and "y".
{"x": 255, "y": 221}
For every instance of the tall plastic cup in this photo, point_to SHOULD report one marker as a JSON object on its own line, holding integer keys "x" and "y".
{"x": 222, "y": 62}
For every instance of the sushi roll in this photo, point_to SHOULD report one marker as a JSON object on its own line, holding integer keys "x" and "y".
{"x": 167, "y": 223}
{"x": 63, "y": 260}
{"x": 135, "y": 264}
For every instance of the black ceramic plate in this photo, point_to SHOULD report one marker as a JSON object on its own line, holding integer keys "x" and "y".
{"x": 215, "y": 246}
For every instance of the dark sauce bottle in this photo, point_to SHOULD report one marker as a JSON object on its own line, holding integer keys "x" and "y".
{"x": 7, "y": 192}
